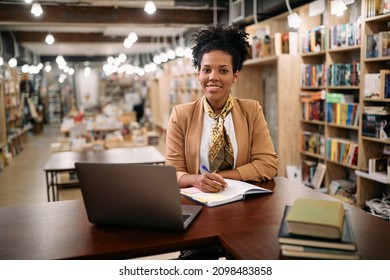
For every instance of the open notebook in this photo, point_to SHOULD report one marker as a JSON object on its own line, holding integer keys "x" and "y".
{"x": 133, "y": 195}
{"x": 236, "y": 190}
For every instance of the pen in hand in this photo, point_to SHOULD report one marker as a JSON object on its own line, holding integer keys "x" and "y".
{"x": 208, "y": 171}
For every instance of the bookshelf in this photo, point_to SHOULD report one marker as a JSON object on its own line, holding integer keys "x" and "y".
{"x": 369, "y": 187}
{"x": 273, "y": 80}
{"x": 54, "y": 104}
{"x": 3, "y": 128}
{"x": 13, "y": 131}
{"x": 178, "y": 83}
{"x": 330, "y": 58}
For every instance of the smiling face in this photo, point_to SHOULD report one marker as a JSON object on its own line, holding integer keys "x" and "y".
{"x": 216, "y": 77}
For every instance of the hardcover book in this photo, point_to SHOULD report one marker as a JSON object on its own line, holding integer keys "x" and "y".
{"x": 235, "y": 191}
{"x": 346, "y": 241}
{"x": 318, "y": 253}
{"x": 316, "y": 217}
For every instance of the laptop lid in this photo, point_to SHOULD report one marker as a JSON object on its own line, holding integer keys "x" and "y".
{"x": 133, "y": 195}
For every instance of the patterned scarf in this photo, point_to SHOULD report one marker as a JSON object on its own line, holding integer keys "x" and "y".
{"x": 221, "y": 150}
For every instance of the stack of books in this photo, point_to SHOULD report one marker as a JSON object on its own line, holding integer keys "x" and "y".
{"x": 317, "y": 229}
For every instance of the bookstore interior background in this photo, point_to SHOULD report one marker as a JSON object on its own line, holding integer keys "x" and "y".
{"x": 320, "y": 69}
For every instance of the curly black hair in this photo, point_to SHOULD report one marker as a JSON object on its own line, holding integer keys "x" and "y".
{"x": 229, "y": 39}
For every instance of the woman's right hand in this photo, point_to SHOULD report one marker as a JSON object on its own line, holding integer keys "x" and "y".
{"x": 210, "y": 182}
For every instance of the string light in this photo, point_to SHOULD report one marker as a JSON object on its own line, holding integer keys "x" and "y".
{"x": 294, "y": 20}
{"x": 337, "y": 7}
{"x": 150, "y": 7}
{"x": 49, "y": 39}
{"x": 36, "y": 9}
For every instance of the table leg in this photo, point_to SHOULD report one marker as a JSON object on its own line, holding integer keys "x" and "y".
{"x": 47, "y": 186}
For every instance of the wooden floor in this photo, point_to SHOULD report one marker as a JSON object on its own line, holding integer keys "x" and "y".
{"x": 24, "y": 181}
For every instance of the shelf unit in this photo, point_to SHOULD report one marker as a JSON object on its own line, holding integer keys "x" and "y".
{"x": 339, "y": 134}
{"x": 273, "y": 80}
{"x": 3, "y": 126}
{"x": 369, "y": 187}
{"x": 54, "y": 104}
{"x": 13, "y": 132}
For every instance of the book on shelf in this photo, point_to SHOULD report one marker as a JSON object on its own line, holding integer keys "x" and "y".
{"x": 318, "y": 176}
{"x": 308, "y": 171}
{"x": 313, "y": 103}
{"x": 345, "y": 242}
{"x": 289, "y": 42}
{"x": 341, "y": 109}
{"x": 313, "y": 142}
{"x": 314, "y": 40}
{"x": 318, "y": 253}
{"x": 316, "y": 217}
{"x": 384, "y": 43}
{"x": 235, "y": 191}
{"x": 343, "y": 151}
{"x": 344, "y": 190}
{"x": 376, "y": 7}
{"x": 337, "y": 184}
{"x": 384, "y": 83}
{"x": 343, "y": 74}
{"x": 313, "y": 75}
{"x": 376, "y": 122}
{"x": 372, "y": 45}
{"x": 379, "y": 167}
{"x": 372, "y": 85}
{"x": 344, "y": 35}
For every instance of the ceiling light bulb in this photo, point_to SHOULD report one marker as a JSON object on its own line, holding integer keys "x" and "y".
{"x": 150, "y": 7}
{"x": 171, "y": 54}
{"x": 132, "y": 37}
{"x": 87, "y": 71}
{"x": 157, "y": 59}
{"x": 49, "y": 39}
{"x": 337, "y": 7}
{"x": 36, "y": 9}
{"x": 25, "y": 68}
{"x": 180, "y": 52}
{"x": 127, "y": 43}
{"x": 28, "y": 1}
{"x": 1, "y": 61}
{"x": 48, "y": 67}
{"x": 294, "y": 20}
{"x": 12, "y": 62}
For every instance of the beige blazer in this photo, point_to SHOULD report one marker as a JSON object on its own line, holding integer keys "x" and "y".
{"x": 256, "y": 158}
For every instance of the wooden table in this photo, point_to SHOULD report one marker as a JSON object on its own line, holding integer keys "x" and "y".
{"x": 247, "y": 229}
{"x": 60, "y": 230}
{"x": 64, "y": 161}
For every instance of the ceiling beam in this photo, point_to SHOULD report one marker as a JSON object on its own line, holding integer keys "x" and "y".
{"x": 63, "y": 14}
{"x": 71, "y": 37}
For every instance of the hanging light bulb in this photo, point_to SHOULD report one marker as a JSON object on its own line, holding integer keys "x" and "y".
{"x": 171, "y": 54}
{"x": 87, "y": 71}
{"x": 36, "y": 9}
{"x": 49, "y": 39}
{"x": 337, "y": 7}
{"x": 12, "y": 62}
{"x": 150, "y": 7}
{"x": 47, "y": 67}
{"x": 294, "y": 20}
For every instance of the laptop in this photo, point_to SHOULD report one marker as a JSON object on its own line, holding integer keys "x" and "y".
{"x": 134, "y": 195}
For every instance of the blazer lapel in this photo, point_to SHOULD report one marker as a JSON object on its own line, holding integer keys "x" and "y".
{"x": 194, "y": 137}
{"x": 241, "y": 131}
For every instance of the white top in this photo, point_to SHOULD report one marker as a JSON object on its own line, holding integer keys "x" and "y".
{"x": 205, "y": 141}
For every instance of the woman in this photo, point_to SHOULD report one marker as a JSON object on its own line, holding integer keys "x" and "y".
{"x": 219, "y": 136}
